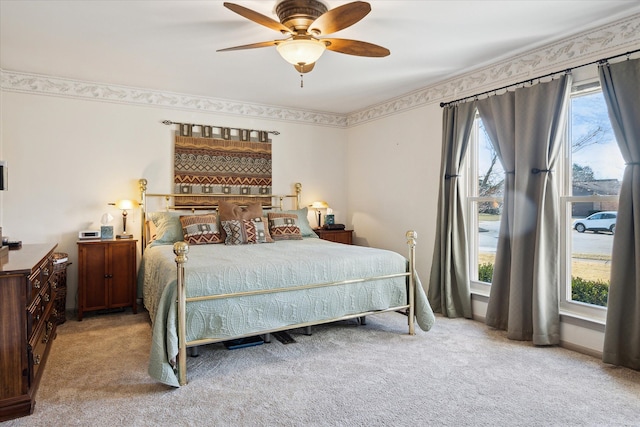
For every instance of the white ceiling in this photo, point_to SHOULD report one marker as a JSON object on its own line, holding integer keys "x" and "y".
{"x": 171, "y": 45}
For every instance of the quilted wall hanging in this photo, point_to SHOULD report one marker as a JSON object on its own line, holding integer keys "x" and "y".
{"x": 209, "y": 165}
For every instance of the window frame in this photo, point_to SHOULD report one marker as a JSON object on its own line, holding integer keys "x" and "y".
{"x": 568, "y": 306}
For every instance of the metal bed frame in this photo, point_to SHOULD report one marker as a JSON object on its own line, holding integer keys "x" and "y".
{"x": 181, "y": 250}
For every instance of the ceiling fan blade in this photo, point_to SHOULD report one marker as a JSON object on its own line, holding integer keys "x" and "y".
{"x": 356, "y": 47}
{"x": 257, "y": 17}
{"x": 339, "y": 18}
{"x": 251, "y": 46}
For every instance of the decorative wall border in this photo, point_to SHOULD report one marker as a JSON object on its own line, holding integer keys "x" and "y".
{"x": 15, "y": 81}
{"x": 607, "y": 40}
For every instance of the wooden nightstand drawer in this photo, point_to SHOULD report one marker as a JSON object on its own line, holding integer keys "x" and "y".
{"x": 338, "y": 236}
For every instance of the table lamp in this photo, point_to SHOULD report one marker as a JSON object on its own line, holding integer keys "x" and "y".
{"x": 124, "y": 205}
{"x": 317, "y": 206}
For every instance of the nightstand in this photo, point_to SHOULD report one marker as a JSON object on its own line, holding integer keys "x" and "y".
{"x": 106, "y": 275}
{"x": 338, "y": 236}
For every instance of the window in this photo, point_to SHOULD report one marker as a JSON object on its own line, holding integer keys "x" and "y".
{"x": 486, "y": 187}
{"x": 593, "y": 168}
{"x": 590, "y": 171}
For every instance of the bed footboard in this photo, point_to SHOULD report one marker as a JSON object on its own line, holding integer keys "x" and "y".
{"x": 181, "y": 249}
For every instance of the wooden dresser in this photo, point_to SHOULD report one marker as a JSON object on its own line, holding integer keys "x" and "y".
{"x": 27, "y": 316}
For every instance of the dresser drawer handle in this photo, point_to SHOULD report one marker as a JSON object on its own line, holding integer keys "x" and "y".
{"x": 36, "y": 284}
{"x": 47, "y": 297}
{"x": 36, "y": 359}
{"x": 45, "y": 271}
{"x": 48, "y": 333}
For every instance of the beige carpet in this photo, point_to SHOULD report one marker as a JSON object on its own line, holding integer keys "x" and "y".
{"x": 461, "y": 373}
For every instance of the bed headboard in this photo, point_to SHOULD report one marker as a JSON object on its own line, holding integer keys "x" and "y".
{"x": 171, "y": 202}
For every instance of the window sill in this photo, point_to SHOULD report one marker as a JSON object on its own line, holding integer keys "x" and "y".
{"x": 579, "y": 316}
{"x": 480, "y": 288}
{"x": 580, "y": 319}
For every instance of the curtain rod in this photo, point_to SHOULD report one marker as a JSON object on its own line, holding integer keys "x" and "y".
{"x": 568, "y": 70}
{"x": 186, "y": 129}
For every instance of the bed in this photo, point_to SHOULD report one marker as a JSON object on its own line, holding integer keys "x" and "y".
{"x": 198, "y": 294}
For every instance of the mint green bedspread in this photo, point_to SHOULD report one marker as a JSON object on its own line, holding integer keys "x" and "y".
{"x": 222, "y": 269}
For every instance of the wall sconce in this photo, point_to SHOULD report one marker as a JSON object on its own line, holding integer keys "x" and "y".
{"x": 317, "y": 206}
{"x": 124, "y": 205}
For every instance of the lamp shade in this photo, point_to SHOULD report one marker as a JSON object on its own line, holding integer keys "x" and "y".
{"x": 125, "y": 204}
{"x": 319, "y": 205}
{"x": 301, "y": 51}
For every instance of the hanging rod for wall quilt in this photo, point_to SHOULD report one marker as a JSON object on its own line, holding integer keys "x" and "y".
{"x": 568, "y": 70}
{"x": 207, "y": 131}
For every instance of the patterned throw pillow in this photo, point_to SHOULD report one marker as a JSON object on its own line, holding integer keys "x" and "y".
{"x": 245, "y": 231}
{"x": 201, "y": 229}
{"x": 262, "y": 229}
{"x": 303, "y": 222}
{"x": 230, "y": 211}
{"x": 284, "y": 226}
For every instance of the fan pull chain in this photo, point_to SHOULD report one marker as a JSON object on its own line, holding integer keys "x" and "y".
{"x": 301, "y": 81}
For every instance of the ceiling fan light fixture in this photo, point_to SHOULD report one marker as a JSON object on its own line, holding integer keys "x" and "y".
{"x": 301, "y": 51}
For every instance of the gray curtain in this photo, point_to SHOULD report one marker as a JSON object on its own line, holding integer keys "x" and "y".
{"x": 524, "y": 294}
{"x": 621, "y": 88}
{"x": 498, "y": 116}
{"x": 449, "y": 291}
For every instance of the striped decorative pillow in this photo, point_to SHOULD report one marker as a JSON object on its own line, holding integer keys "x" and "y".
{"x": 283, "y": 226}
{"x": 262, "y": 229}
{"x": 243, "y": 231}
{"x": 201, "y": 229}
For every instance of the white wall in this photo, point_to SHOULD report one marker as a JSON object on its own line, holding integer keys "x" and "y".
{"x": 392, "y": 173}
{"x": 68, "y": 158}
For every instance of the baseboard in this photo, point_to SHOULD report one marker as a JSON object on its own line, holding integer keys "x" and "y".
{"x": 479, "y": 318}
{"x": 564, "y": 344}
{"x": 581, "y": 349}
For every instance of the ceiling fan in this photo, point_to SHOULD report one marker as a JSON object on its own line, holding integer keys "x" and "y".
{"x": 305, "y": 22}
